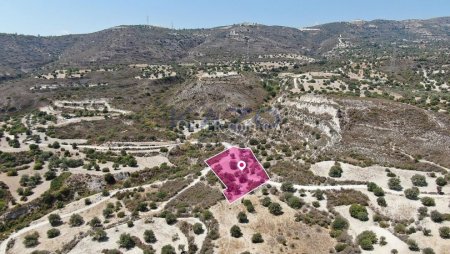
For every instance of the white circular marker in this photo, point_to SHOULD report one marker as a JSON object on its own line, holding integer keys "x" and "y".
{"x": 241, "y": 165}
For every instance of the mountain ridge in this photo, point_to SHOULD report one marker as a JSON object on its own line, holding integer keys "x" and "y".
{"x": 22, "y": 54}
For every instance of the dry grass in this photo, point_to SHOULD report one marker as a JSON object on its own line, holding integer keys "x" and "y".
{"x": 281, "y": 234}
{"x": 198, "y": 196}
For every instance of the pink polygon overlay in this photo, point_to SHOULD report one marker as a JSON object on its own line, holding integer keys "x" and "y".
{"x": 238, "y": 180}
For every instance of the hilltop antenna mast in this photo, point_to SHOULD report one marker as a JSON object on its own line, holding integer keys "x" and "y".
{"x": 148, "y": 25}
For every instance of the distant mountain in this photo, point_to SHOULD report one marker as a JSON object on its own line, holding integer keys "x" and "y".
{"x": 21, "y": 54}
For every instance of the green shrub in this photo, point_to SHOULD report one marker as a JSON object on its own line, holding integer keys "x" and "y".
{"x": 412, "y": 193}
{"x": 198, "y": 228}
{"x": 335, "y": 170}
{"x": 168, "y": 249}
{"x": 265, "y": 201}
{"x": 12, "y": 172}
{"x": 31, "y": 240}
{"x": 394, "y": 184}
{"x": 170, "y": 218}
{"x": 378, "y": 191}
{"x": 295, "y": 202}
{"x": 383, "y": 241}
{"x": 419, "y": 180}
{"x": 428, "y": 251}
{"x": 319, "y": 195}
{"x": 242, "y": 217}
{"x": 54, "y": 220}
{"x": 340, "y": 247}
{"x": 440, "y": 181}
{"x": 53, "y": 232}
{"x": 95, "y": 222}
{"x": 126, "y": 241}
{"x": 109, "y": 178}
{"x": 253, "y": 142}
{"x": 400, "y": 228}
{"x": 76, "y": 220}
{"x": 359, "y": 212}
{"x": 340, "y": 223}
{"x": 412, "y": 245}
{"x": 50, "y": 175}
{"x": 382, "y": 202}
{"x": 121, "y": 214}
{"x": 428, "y": 201}
{"x": 436, "y": 216}
{"x": 249, "y": 205}
{"x": 149, "y": 236}
{"x": 287, "y": 187}
{"x": 275, "y": 208}
{"x": 130, "y": 224}
{"x": 367, "y": 239}
{"x": 99, "y": 235}
{"x": 235, "y": 231}
{"x": 444, "y": 232}
{"x": 107, "y": 212}
{"x": 257, "y": 238}
{"x": 371, "y": 186}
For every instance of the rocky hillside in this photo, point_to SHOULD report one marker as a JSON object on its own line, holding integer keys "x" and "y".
{"x": 21, "y": 54}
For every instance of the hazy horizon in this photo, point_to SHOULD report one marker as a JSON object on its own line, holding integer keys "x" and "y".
{"x": 224, "y": 25}
{"x": 64, "y": 17}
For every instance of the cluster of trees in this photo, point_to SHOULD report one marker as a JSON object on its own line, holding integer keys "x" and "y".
{"x": 64, "y": 163}
{"x": 14, "y": 143}
{"x": 55, "y": 145}
{"x": 120, "y": 159}
{"x": 16, "y": 127}
{"x": 29, "y": 182}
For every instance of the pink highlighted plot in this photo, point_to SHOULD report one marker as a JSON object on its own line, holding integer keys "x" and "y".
{"x": 239, "y": 171}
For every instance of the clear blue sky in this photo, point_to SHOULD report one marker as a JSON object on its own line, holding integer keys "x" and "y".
{"x": 56, "y": 17}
